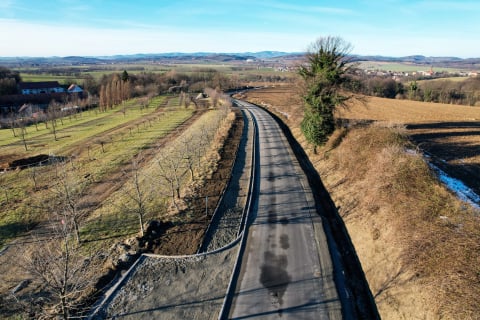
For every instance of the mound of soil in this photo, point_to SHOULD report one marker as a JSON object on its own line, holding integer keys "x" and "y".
{"x": 35, "y": 161}
{"x": 30, "y": 161}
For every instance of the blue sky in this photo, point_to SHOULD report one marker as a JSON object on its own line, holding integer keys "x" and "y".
{"x": 107, "y": 27}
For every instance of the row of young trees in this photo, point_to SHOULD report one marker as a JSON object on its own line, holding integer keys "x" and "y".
{"x": 57, "y": 262}
{"x": 110, "y": 88}
{"x": 60, "y": 262}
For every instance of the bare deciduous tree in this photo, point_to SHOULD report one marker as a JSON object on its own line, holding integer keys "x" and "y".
{"x": 53, "y": 113}
{"x": 188, "y": 146}
{"x": 67, "y": 195}
{"x": 138, "y": 191}
{"x": 23, "y": 133}
{"x": 63, "y": 270}
{"x": 171, "y": 172}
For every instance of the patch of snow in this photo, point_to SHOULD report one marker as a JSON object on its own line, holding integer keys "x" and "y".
{"x": 285, "y": 114}
{"x": 461, "y": 190}
{"x": 411, "y": 152}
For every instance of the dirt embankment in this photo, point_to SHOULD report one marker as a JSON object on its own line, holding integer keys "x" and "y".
{"x": 418, "y": 244}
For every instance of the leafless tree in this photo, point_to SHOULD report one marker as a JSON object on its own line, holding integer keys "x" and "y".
{"x": 139, "y": 192}
{"x": 63, "y": 270}
{"x": 103, "y": 97}
{"x": 67, "y": 190}
{"x": 13, "y": 120}
{"x": 23, "y": 133}
{"x": 187, "y": 101}
{"x": 53, "y": 113}
{"x": 171, "y": 172}
{"x": 188, "y": 147}
{"x": 214, "y": 96}
{"x": 181, "y": 98}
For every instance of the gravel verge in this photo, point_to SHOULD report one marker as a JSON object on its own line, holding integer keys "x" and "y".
{"x": 225, "y": 224}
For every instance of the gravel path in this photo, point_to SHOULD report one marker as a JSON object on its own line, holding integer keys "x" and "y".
{"x": 174, "y": 288}
{"x": 224, "y": 227}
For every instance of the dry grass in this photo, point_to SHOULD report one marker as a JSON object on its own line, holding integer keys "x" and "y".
{"x": 419, "y": 245}
{"x": 436, "y": 235}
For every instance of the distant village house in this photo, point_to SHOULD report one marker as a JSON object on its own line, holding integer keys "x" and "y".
{"x": 74, "y": 89}
{"x": 40, "y": 87}
{"x": 38, "y": 94}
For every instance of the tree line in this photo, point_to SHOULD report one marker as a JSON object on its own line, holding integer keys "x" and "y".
{"x": 462, "y": 92}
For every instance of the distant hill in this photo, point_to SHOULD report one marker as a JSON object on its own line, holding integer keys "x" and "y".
{"x": 197, "y": 57}
{"x": 142, "y": 57}
{"x": 456, "y": 62}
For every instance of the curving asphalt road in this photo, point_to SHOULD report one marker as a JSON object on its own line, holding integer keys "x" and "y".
{"x": 286, "y": 269}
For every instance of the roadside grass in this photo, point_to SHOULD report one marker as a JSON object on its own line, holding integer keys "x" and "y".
{"x": 438, "y": 235}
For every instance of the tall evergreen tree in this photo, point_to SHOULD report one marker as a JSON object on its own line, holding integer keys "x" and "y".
{"x": 323, "y": 75}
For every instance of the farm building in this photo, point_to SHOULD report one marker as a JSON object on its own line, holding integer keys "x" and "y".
{"x": 40, "y": 87}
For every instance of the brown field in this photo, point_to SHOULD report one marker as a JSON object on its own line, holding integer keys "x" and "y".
{"x": 449, "y": 133}
{"x": 418, "y": 244}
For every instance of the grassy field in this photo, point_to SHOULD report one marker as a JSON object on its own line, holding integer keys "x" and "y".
{"x": 79, "y": 72}
{"x": 94, "y": 142}
{"x": 112, "y": 219}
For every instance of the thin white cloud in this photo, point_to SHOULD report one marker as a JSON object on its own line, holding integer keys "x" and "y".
{"x": 49, "y": 40}
{"x": 306, "y": 9}
{"x": 6, "y": 4}
{"x": 449, "y": 6}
